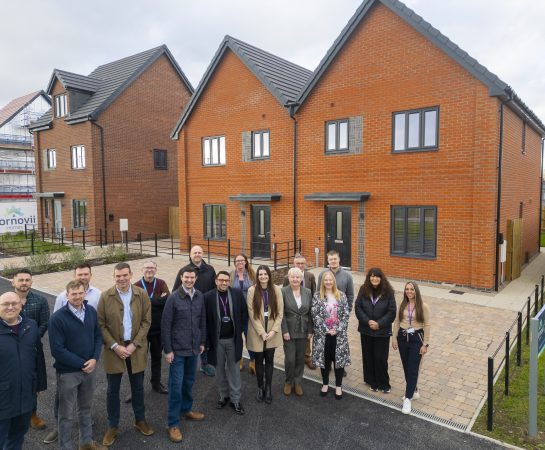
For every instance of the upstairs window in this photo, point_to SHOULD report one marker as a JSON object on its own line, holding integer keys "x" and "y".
{"x": 50, "y": 159}
{"x": 416, "y": 130}
{"x": 336, "y": 135}
{"x": 213, "y": 151}
{"x": 160, "y": 159}
{"x": 61, "y": 108}
{"x": 260, "y": 144}
{"x": 78, "y": 157}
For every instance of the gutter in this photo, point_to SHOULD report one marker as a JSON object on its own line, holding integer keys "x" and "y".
{"x": 498, "y": 206}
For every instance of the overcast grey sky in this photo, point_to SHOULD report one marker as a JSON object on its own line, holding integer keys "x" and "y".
{"x": 506, "y": 36}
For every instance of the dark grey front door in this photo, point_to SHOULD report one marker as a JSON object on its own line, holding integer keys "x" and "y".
{"x": 339, "y": 232}
{"x": 261, "y": 231}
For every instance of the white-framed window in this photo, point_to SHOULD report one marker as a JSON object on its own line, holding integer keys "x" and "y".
{"x": 50, "y": 159}
{"x": 61, "y": 105}
{"x": 415, "y": 130}
{"x": 78, "y": 157}
{"x": 336, "y": 135}
{"x": 213, "y": 151}
{"x": 260, "y": 144}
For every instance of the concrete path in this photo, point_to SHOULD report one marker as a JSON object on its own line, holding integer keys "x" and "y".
{"x": 466, "y": 328}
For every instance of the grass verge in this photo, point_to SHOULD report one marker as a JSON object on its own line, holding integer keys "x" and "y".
{"x": 511, "y": 412}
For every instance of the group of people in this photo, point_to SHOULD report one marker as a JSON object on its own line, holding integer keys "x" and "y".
{"x": 204, "y": 318}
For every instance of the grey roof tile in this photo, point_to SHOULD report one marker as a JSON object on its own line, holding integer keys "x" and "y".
{"x": 282, "y": 78}
{"x": 106, "y": 82}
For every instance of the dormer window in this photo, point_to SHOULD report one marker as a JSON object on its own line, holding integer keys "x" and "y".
{"x": 61, "y": 108}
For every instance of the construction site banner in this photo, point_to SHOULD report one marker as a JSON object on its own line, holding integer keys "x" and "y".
{"x": 14, "y": 216}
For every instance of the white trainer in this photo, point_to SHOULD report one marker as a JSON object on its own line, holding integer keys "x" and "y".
{"x": 416, "y": 395}
{"x": 406, "y": 406}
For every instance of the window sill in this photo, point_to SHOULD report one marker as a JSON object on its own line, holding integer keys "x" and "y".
{"x": 261, "y": 158}
{"x": 215, "y": 239}
{"x": 78, "y": 168}
{"x": 214, "y": 165}
{"x": 413, "y": 256}
{"x": 338, "y": 152}
{"x": 416, "y": 150}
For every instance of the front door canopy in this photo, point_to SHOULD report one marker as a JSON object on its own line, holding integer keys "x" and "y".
{"x": 338, "y": 196}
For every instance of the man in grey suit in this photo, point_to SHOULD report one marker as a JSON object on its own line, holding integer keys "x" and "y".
{"x": 308, "y": 281}
{"x": 296, "y": 328}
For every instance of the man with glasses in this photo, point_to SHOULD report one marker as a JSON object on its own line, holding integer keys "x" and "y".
{"x": 18, "y": 340}
{"x": 226, "y": 313}
{"x": 158, "y": 293}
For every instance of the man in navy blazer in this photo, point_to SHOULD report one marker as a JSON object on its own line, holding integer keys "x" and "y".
{"x": 226, "y": 312}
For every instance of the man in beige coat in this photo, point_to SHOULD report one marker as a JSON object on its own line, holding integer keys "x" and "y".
{"x": 124, "y": 316}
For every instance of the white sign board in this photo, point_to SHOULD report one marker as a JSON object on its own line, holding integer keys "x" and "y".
{"x": 123, "y": 224}
{"x": 15, "y": 215}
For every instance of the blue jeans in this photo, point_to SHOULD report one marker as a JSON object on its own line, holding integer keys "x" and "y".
{"x": 137, "y": 392}
{"x": 180, "y": 385}
{"x": 13, "y": 430}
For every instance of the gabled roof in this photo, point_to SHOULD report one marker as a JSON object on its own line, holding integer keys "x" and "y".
{"x": 106, "y": 83}
{"x": 496, "y": 86}
{"x": 73, "y": 81}
{"x": 16, "y": 105}
{"x": 283, "y": 79}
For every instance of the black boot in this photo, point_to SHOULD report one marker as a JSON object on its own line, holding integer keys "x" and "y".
{"x": 260, "y": 394}
{"x": 268, "y": 394}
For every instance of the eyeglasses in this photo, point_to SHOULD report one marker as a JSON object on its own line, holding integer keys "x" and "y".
{"x": 223, "y": 281}
{"x": 9, "y": 305}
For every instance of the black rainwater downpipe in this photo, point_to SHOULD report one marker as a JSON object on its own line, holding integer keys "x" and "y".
{"x": 103, "y": 176}
{"x": 498, "y": 206}
{"x": 291, "y": 106}
{"x": 540, "y": 197}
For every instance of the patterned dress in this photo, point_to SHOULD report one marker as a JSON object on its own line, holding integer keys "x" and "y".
{"x": 319, "y": 317}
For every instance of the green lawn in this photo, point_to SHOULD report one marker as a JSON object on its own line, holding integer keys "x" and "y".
{"x": 542, "y": 240}
{"x": 18, "y": 244}
{"x": 511, "y": 412}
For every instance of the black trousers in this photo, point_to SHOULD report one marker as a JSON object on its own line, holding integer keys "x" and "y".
{"x": 375, "y": 360}
{"x": 155, "y": 349}
{"x": 409, "y": 351}
{"x": 329, "y": 357}
{"x": 264, "y": 364}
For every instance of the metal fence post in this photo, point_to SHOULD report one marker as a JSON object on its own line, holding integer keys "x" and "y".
{"x": 25, "y": 232}
{"x": 507, "y": 339}
{"x": 519, "y": 338}
{"x": 542, "y": 287}
{"x": 126, "y": 233}
{"x": 62, "y": 236}
{"x": 83, "y": 238}
{"x": 155, "y": 239}
{"x": 43, "y": 232}
{"x": 275, "y": 255}
{"x": 100, "y": 234}
{"x": 490, "y": 412}
{"x": 72, "y": 235}
{"x": 172, "y": 245}
{"x": 188, "y": 244}
{"x": 528, "y": 321}
{"x": 228, "y": 252}
{"x": 536, "y": 295}
{"x": 32, "y": 243}
{"x": 140, "y": 241}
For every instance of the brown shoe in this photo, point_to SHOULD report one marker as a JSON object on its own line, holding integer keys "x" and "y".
{"x": 174, "y": 434}
{"x": 109, "y": 437}
{"x": 251, "y": 366}
{"x": 144, "y": 428}
{"x": 36, "y": 422}
{"x": 298, "y": 390}
{"x": 241, "y": 364}
{"x": 93, "y": 446}
{"x": 287, "y": 388}
{"x": 194, "y": 415}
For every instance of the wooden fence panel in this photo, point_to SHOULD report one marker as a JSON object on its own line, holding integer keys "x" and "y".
{"x": 514, "y": 249}
{"x": 174, "y": 222}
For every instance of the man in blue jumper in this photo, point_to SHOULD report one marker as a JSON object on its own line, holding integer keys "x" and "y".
{"x": 76, "y": 342}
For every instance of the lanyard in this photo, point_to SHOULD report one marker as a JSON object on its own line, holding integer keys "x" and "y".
{"x": 265, "y": 295}
{"x": 224, "y": 304}
{"x": 410, "y": 312}
{"x": 375, "y": 300}
{"x": 146, "y": 288}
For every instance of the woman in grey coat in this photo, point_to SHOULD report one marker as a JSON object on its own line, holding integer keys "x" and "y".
{"x": 330, "y": 313}
{"x": 296, "y": 327}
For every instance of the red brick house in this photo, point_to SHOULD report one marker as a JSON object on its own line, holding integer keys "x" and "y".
{"x": 400, "y": 151}
{"x": 103, "y": 151}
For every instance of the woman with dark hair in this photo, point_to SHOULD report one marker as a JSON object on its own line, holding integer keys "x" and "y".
{"x": 376, "y": 310}
{"x": 330, "y": 314}
{"x": 242, "y": 277}
{"x": 265, "y": 313}
{"x": 411, "y": 335}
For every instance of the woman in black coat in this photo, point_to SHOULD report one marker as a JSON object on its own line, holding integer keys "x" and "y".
{"x": 376, "y": 310}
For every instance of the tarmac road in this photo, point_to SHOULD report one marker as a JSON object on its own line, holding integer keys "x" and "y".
{"x": 309, "y": 422}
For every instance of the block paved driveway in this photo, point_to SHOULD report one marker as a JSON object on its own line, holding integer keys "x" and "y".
{"x": 309, "y": 422}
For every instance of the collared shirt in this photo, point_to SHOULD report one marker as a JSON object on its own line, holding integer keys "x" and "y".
{"x": 190, "y": 293}
{"x": 127, "y": 313}
{"x": 92, "y": 295}
{"x": 79, "y": 313}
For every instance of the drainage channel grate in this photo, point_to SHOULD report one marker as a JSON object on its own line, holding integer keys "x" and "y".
{"x": 387, "y": 402}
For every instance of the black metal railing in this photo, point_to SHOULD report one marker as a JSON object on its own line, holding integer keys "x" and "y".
{"x": 513, "y": 339}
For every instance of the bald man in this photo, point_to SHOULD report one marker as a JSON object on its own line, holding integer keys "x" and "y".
{"x": 19, "y": 338}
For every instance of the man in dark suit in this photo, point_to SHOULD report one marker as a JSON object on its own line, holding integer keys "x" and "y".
{"x": 226, "y": 312}
{"x": 309, "y": 281}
